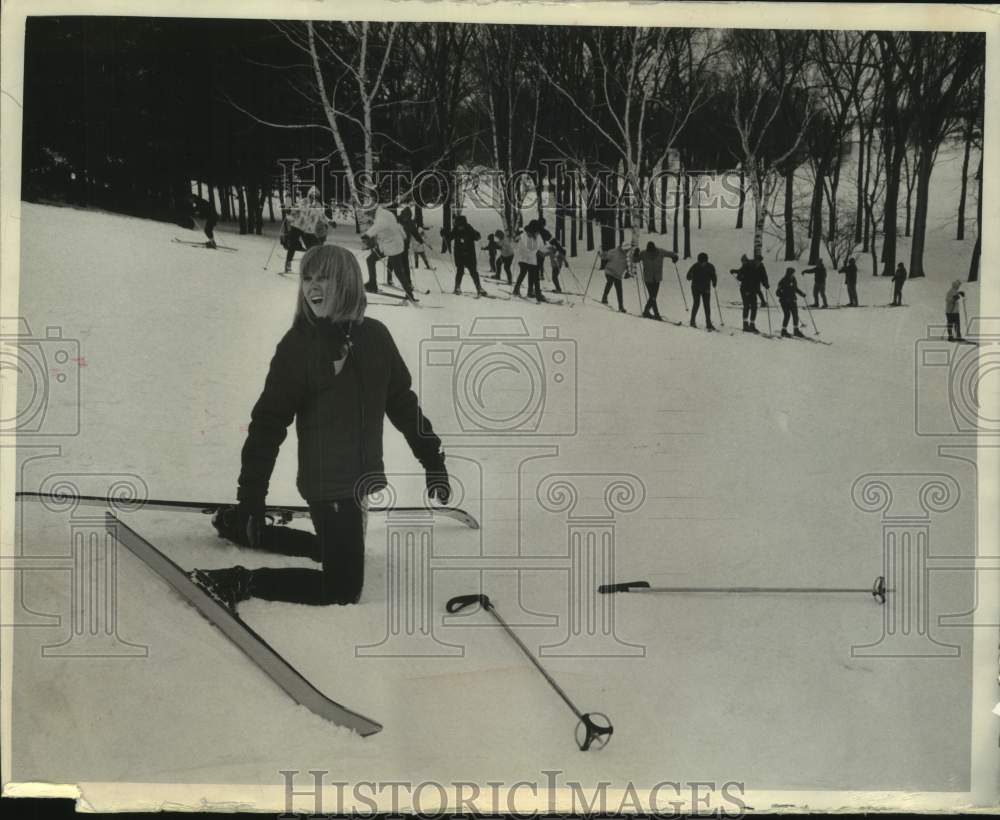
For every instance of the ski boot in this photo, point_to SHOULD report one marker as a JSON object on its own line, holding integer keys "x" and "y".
{"x": 456, "y": 292}
{"x": 288, "y": 269}
{"x": 371, "y": 287}
{"x": 481, "y": 292}
{"x": 798, "y": 333}
{"x": 693, "y": 324}
{"x": 746, "y": 327}
{"x": 411, "y": 298}
{"x": 785, "y": 334}
{"x": 710, "y": 328}
{"x": 226, "y": 586}
{"x": 622, "y": 310}
{"x": 753, "y": 328}
{"x": 211, "y": 244}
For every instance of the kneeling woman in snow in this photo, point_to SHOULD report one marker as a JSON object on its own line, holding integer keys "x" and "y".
{"x": 338, "y": 374}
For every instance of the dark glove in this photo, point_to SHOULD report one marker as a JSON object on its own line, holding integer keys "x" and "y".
{"x": 251, "y": 518}
{"x": 438, "y": 484}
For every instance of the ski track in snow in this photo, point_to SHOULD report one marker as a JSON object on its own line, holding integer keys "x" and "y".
{"x": 747, "y": 452}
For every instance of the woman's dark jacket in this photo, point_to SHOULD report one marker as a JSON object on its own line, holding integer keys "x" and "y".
{"x": 338, "y": 417}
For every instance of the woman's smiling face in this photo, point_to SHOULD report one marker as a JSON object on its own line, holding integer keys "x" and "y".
{"x": 317, "y": 290}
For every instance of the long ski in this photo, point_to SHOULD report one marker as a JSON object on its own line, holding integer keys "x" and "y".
{"x": 203, "y": 245}
{"x": 281, "y": 514}
{"x": 236, "y": 629}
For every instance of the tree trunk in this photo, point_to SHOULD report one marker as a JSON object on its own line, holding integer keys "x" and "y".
{"x": 974, "y": 265}
{"x": 960, "y": 232}
{"x": 859, "y": 212}
{"x": 890, "y": 230}
{"x": 241, "y": 205}
{"x": 789, "y": 215}
{"x": 815, "y": 216}
{"x": 743, "y": 199}
{"x": 909, "y": 192}
{"x": 574, "y": 212}
{"x": 663, "y": 201}
{"x": 758, "y": 214}
{"x": 270, "y": 206}
{"x": 590, "y": 224}
{"x": 925, "y": 167}
{"x": 697, "y": 203}
{"x": 677, "y": 207}
{"x": 687, "y": 215}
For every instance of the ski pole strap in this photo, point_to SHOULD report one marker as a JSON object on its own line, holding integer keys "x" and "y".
{"x": 626, "y": 586}
{"x": 593, "y": 731}
{"x": 460, "y": 602}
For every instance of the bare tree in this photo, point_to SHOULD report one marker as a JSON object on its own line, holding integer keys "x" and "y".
{"x": 765, "y": 69}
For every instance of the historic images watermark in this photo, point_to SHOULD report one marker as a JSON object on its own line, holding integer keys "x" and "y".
{"x": 482, "y": 188}
{"x": 89, "y": 569}
{"x": 502, "y": 396}
{"x": 549, "y": 793}
{"x": 48, "y": 380}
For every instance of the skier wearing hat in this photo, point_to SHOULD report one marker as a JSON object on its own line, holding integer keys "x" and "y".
{"x": 787, "y": 291}
{"x": 702, "y": 279}
{"x": 850, "y": 271}
{"x": 819, "y": 284}
{"x": 463, "y": 238}
{"x": 306, "y": 226}
{"x": 951, "y": 311}
{"x": 204, "y": 209}
{"x": 390, "y": 237}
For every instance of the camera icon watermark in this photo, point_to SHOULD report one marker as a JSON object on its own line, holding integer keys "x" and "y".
{"x": 952, "y": 381}
{"x": 503, "y": 381}
{"x": 47, "y": 369}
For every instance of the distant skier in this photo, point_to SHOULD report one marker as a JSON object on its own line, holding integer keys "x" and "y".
{"x": 463, "y": 239}
{"x": 819, "y": 285}
{"x": 615, "y": 266}
{"x": 546, "y": 237}
{"x": 491, "y": 248}
{"x": 375, "y": 255}
{"x": 445, "y": 241}
{"x": 506, "y": 256}
{"x": 305, "y": 226}
{"x": 557, "y": 257}
{"x": 951, "y": 311}
{"x": 391, "y": 239}
{"x": 527, "y": 246}
{"x": 205, "y": 210}
{"x": 332, "y": 361}
{"x": 702, "y": 278}
{"x": 787, "y": 292}
{"x": 898, "y": 280}
{"x": 652, "y": 275}
{"x": 410, "y": 231}
{"x": 850, "y": 271}
{"x": 419, "y": 250}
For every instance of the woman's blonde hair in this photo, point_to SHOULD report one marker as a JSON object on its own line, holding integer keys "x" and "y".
{"x": 348, "y": 300}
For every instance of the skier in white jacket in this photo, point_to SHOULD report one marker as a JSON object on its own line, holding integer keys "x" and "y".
{"x": 391, "y": 239}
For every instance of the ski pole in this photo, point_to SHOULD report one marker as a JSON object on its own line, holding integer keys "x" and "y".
{"x": 811, "y": 319}
{"x": 679, "y": 285}
{"x": 722, "y": 319}
{"x": 841, "y": 291}
{"x": 594, "y": 733}
{"x": 597, "y": 255}
{"x": 267, "y": 264}
{"x": 878, "y": 589}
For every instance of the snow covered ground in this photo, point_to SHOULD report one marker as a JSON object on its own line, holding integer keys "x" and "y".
{"x": 743, "y": 452}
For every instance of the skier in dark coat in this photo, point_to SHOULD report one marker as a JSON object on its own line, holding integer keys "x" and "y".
{"x": 702, "y": 279}
{"x": 749, "y": 276}
{"x": 205, "y": 210}
{"x": 898, "y": 280}
{"x": 338, "y": 374}
{"x": 787, "y": 291}
{"x": 819, "y": 285}
{"x": 463, "y": 238}
{"x": 850, "y": 271}
{"x": 652, "y": 276}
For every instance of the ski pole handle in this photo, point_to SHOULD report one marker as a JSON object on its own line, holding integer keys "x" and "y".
{"x": 460, "y": 602}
